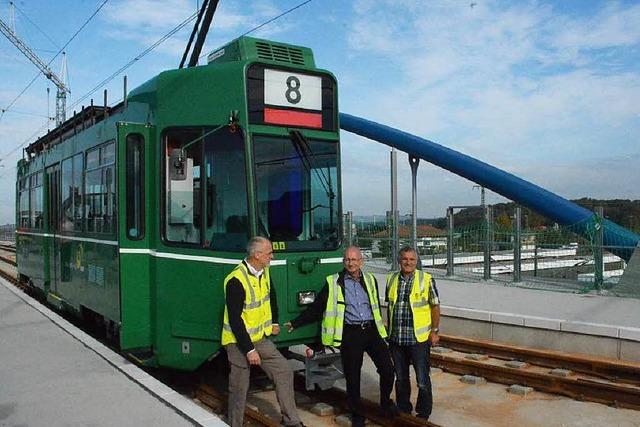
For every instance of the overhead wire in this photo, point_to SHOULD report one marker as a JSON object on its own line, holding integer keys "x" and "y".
{"x": 30, "y": 138}
{"x": 111, "y": 77}
{"x": 35, "y": 25}
{"x": 275, "y": 18}
{"x": 4, "y": 110}
{"x": 24, "y": 113}
{"x": 144, "y": 53}
{"x": 137, "y": 58}
{"x": 54, "y": 57}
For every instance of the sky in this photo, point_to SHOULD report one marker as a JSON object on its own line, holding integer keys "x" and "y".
{"x": 546, "y": 90}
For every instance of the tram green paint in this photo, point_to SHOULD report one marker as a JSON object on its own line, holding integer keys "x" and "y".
{"x": 162, "y": 294}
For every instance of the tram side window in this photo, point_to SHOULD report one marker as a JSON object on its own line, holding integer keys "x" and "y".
{"x": 226, "y": 192}
{"x": 77, "y": 188}
{"x": 24, "y": 212}
{"x": 72, "y": 193}
{"x": 93, "y": 199}
{"x": 183, "y": 204}
{"x": 135, "y": 186}
{"x": 37, "y": 218}
{"x": 99, "y": 184}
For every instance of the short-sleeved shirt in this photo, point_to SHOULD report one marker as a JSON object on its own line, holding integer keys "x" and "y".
{"x": 402, "y": 331}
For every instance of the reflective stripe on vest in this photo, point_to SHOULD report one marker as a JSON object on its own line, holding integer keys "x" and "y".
{"x": 418, "y": 302}
{"x": 333, "y": 319}
{"x": 255, "y": 303}
{"x": 256, "y": 313}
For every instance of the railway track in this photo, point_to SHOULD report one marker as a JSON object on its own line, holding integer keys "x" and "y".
{"x": 216, "y": 401}
{"x": 8, "y": 248}
{"x": 8, "y": 261}
{"x": 611, "y": 382}
{"x": 607, "y": 381}
{"x": 610, "y": 369}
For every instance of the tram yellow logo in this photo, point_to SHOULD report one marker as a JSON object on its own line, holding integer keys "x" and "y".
{"x": 79, "y": 256}
{"x": 279, "y": 246}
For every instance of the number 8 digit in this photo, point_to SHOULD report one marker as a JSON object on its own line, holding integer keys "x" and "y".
{"x": 293, "y": 94}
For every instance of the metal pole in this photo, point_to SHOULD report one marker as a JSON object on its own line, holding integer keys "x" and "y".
{"x": 106, "y": 112}
{"x": 125, "y": 91}
{"x": 350, "y": 228}
{"x": 598, "y": 250}
{"x": 481, "y": 194}
{"x": 449, "y": 241}
{"x": 414, "y": 162}
{"x": 517, "y": 249}
{"x": 487, "y": 243}
{"x": 394, "y": 209}
{"x": 535, "y": 258}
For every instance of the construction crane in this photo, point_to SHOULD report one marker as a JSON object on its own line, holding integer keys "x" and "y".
{"x": 61, "y": 94}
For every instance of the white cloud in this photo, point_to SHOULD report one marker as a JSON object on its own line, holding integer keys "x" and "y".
{"x": 613, "y": 26}
{"x": 513, "y": 85}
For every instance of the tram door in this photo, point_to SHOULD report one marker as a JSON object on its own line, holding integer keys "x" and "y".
{"x": 136, "y": 201}
{"x": 52, "y": 250}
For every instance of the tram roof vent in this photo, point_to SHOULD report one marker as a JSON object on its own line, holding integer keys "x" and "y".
{"x": 248, "y": 48}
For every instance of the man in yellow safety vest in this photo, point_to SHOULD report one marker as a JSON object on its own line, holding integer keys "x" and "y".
{"x": 349, "y": 307}
{"x": 414, "y": 319}
{"x": 250, "y": 316}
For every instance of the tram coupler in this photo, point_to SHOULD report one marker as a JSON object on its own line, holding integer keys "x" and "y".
{"x": 321, "y": 368}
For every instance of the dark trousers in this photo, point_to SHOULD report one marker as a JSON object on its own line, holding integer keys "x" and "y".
{"x": 419, "y": 354}
{"x": 355, "y": 341}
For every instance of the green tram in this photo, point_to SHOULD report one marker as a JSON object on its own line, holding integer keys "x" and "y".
{"x": 134, "y": 214}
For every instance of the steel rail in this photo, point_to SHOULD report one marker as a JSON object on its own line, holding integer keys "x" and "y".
{"x": 372, "y": 410}
{"x": 8, "y": 248}
{"x": 610, "y": 369}
{"x": 8, "y": 276}
{"x": 217, "y": 402}
{"x": 576, "y": 387}
{"x": 8, "y": 261}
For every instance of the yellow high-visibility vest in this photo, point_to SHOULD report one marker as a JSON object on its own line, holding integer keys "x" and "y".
{"x": 418, "y": 301}
{"x": 256, "y": 313}
{"x": 333, "y": 318}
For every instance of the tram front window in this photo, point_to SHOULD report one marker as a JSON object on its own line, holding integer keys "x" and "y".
{"x": 297, "y": 191}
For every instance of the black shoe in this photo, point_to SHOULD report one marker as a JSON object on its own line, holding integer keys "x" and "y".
{"x": 423, "y": 416}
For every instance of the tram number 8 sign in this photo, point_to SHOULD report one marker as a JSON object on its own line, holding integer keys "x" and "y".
{"x": 287, "y": 98}
{"x": 287, "y": 89}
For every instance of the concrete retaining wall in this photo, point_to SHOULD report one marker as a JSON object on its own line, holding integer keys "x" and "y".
{"x": 544, "y": 333}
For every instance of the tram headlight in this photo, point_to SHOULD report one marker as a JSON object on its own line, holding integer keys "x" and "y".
{"x": 306, "y": 297}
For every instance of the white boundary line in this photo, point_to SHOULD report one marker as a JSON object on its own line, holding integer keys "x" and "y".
{"x": 167, "y": 255}
{"x": 78, "y": 239}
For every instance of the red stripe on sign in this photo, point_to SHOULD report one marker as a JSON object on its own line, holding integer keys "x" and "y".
{"x": 296, "y": 118}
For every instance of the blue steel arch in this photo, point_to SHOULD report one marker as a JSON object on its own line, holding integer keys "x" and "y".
{"x": 561, "y": 210}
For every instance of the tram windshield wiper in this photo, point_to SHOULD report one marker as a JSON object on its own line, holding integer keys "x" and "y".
{"x": 308, "y": 158}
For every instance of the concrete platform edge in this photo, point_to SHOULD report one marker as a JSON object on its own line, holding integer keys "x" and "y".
{"x": 596, "y": 329}
{"x": 185, "y": 407}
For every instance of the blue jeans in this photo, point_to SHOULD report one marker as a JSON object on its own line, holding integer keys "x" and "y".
{"x": 419, "y": 354}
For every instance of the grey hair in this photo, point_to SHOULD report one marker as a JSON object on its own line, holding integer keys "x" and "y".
{"x": 254, "y": 245}
{"x": 353, "y": 247}
{"x": 404, "y": 250}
